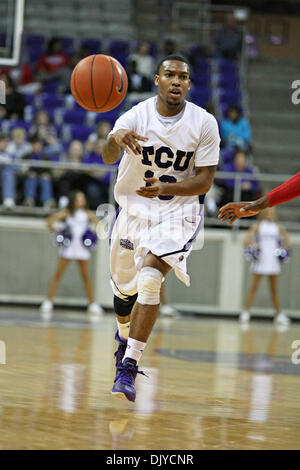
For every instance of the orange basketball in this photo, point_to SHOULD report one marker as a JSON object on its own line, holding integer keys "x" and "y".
{"x": 99, "y": 83}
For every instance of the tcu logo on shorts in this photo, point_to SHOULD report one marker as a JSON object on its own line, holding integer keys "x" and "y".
{"x": 164, "y": 158}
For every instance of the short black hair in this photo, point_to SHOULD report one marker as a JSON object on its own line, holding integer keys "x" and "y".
{"x": 178, "y": 57}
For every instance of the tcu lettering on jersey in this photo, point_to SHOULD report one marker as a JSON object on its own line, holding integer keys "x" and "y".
{"x": 165, "y": 158}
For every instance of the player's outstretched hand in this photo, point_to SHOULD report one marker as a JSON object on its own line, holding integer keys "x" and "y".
{"x": 234, "y": 210}
{"x": 128, "y": 140}
{"x": 154, "y": 188}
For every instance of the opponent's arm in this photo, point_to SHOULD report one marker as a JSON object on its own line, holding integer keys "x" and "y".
{"x": 123, "y": 139}
{"x": 199, "y": 184}
{"x": 283, "y": 193}
{"x": 61, "y": 215}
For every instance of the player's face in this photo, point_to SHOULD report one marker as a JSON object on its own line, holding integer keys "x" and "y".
{"x": 173, "y": 82}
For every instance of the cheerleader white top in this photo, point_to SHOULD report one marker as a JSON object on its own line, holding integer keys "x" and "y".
{"x": 78, "y": 223}
{"x": 268, "y": 236}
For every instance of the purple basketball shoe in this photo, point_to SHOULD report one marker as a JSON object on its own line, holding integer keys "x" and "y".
{"x": 125, "y": 379}
{"x": 119, "y": 354}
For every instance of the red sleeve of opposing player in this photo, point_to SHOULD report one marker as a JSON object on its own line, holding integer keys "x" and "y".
{"x": 286, "y": 191}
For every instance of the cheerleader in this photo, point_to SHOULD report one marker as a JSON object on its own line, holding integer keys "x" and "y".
{"x": 267, "y": 233}
{"x": 77, "y": 218}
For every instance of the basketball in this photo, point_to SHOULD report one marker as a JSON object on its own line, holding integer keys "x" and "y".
{"x": 99, "y": 83}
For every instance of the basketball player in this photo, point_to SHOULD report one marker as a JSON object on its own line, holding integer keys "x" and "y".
{"x": 171, "y": 150}
{"x": 283, "y": 193}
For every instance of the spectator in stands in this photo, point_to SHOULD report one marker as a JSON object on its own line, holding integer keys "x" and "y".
{"x": 176, "y": 39}
{"x": 7, "y": 174}
{"x": 70, "y": 180}
{"x": 144, "y": 61}
{"x": 235, "y": 129}
{"x": 249, "y": 187}
{"x": 99, "y": 183}
{"x": 38, "y": 177}
{"x": 137, "y": 83}
{"x": 73, "y": 180}
{"x": 46, "y": 132}
{"x": 14, "y": 106}
{"x": 18, "y": 146}
{"x": 102, "y": 131}
{"x": 76, "y": 57}
{"x": 53, "y": 64}
{"x": 228, "y": 40}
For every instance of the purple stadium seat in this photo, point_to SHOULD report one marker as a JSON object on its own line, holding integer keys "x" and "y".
{"x": 34, "y": 54}
{"x": 92, "y": 45}
{"x": 68, "y": 44}
{"x": 230, "y": 96}
{"x": 74, "y": 116}
{"x": 201, "y": 79}
{"x": 227, "y": 66}
{"x": 77, "y": 131}
{"x": 200, "y": 96}
{"x": 229, "y": 82}
{"x": 110, "y": 116}
{"x": 23, "y": 124}
{"x": 28, "y": 98}
{"x": 51, "y": 86}
{"x": 50, "y": 100}
{"x": 34, "y": 40}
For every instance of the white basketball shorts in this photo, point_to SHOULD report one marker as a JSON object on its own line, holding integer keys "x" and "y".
{"x": 132, "y": 238}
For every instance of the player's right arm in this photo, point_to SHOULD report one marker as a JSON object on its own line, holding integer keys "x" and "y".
{"x": 61, "y": 215}
{"x": 122, "y": 139}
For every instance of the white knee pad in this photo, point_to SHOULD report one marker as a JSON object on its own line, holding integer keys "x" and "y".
{"x": 149, "y": 284}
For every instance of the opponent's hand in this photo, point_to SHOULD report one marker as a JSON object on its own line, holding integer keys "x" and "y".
{"x": 155, "y": 188}
{"x": 235, "y": 210}
{"x": 128, "y": 140}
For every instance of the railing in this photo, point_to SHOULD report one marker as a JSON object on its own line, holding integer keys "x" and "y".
{"x": 275, "y": 179}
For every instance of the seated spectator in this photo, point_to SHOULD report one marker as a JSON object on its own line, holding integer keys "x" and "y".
{"x": 235, "y": 129}
{"x": 7, "y": 174}
{"x": 137, "y": 83}
{"x": 249, "y": 187}
{"x": 53, "y": 64}
{"x": 46, "y": 132}
{"x": 144, "y": 61}
{"x": 38, "y": 177}
{"x": 13, "y": 109}
{"x": 76, "y": 57}
{"x": 227, "y": 42}
{"x": 18, "y": 146}
{"x": 99, "y": 191}
{"x": 72, "y": 180}
{"x": 102, "y": 131}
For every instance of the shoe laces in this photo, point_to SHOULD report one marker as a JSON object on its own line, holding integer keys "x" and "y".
{"x": 128, "y": 373}
{"x": 119, "y": 354}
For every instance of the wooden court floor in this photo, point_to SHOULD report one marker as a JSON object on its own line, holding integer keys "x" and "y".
{"x": 211, "y": 385}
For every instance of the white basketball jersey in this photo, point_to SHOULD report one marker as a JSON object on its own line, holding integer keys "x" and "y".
{"x": 170, "y": 155}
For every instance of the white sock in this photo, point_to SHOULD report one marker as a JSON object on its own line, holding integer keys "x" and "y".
{"x": 123, "y": 330}
{"x": 134, "y": 349}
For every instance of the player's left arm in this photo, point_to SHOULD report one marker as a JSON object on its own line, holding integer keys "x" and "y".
{"x": 198, "y": 184}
